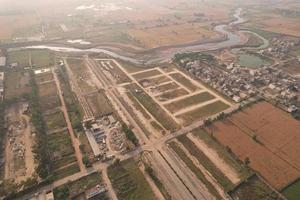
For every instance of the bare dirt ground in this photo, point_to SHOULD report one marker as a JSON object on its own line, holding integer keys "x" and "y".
{"x": 154, "y": 188}
{"x": 19, "y": 158}
{"x": 228, "y": 171}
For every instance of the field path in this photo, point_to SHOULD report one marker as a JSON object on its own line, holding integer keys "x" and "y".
{"x": 228, "y": 171}
{"x": 75, "y": 141}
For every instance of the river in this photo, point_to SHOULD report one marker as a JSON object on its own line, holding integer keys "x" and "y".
{"x": 164, "y": 54}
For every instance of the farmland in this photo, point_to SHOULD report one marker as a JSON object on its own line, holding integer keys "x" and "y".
{"x": 99, "y": 104}
{"x": 263, "y": 130}
{"x": 129, "y": 182}
{"x": 16, "y": 84}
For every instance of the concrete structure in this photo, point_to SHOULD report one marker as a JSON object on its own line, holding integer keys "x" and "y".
{"x": 2, "y": 61}
{"x": 40, "y": 71}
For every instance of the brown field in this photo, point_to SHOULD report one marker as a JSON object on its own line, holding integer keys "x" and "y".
{"x": 43, "y": 77}
{"x": 47, "y": 89}
{"x": 147, "y": 74}
{"x": 99, "y": 104}
{"x": 157, "y": 80}
{"x": 292, "y": 67}
{"x": 172, "y": 34}
{"x": 184, "y": 81}
{"x": 189, "y": 101}
{"x": 14, "y": 23}
{"x": 172, "y": 94}
{"x": 274, "y": 152}
{"x": 282, "y": 25}
{"x": 16, "y": 84}
{"x": 167, "y": 86}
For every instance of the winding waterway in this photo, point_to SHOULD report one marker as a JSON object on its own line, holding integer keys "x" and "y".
{"x": 164, "y": 54}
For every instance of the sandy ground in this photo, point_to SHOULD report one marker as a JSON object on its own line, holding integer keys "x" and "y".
{"x": 154, "y": 188}
{"x": 207, "y": 175}
{"x": 228, "y": 171}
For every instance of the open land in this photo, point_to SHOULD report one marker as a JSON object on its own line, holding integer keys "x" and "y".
{"x": 263, "y": 131}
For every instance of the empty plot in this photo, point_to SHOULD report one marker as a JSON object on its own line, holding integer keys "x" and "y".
{"x": 184, "y": 81}
{"x": 167, "y": 86}
{"x": 99, "y": 104}
{"x": 146, "y": 74}
{"x": 44, "y": 77}
{"x": 154, "y": 81}
{"x": 203, "y": 112}
{"x": 189, "y": 101}
{"x": 55, "y": 121}
{"x": 172, "y": 94}
{"x": 273, "y": 152}
{"x": 47, "y": 89}
{"x": 156, "y": 111}
{"x": 16, "y": 84}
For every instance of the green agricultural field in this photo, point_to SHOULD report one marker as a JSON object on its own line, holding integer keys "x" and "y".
{"x": 157, "y": 112}
{"x": 203, "y": 112}
{"x": 147, "y": 74}
{"x": 292, "y": 192}
{"x": 42, "y": 58}
{"x": 99, "y": 104}
{"x": 75, "y": 188}
{"x": 16, "y": 84}
{"x": 184, "y": 81}
{"x": 138, "y": 106}
{"x": 59, "y": 146}
{"x": 189, "y": 101}
{"x": 20, "y": 57}
{"x": 47, "y": 89}
{"x": 254, "y": 189}
{"x": 38, "y": 58}
{"x": 55, "y": 121}
{"x": 129, "y": 182}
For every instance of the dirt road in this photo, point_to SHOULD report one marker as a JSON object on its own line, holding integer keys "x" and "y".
{"x": 228, "y": 171}
{"x": 75, "y": 141}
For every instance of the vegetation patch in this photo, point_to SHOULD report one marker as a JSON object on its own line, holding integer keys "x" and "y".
{"x": 204, "y": 111}
{"x": 128, "y": 181}
{"x": 253, "y": 189}
{"x": 75, "y": 188}
{"x": 184, "y": 81}
{"x": 292, "y": 192}
{"x": 157, "y": 112}
{"x": 206, "y": 162}
{"x": 99, "y": 104}
{"x": 194, "y": 169}
{"x": 16, "y": 84}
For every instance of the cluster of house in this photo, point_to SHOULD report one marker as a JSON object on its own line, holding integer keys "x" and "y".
{"x": 240, "y": 83}
{"x": 279, "y": 48}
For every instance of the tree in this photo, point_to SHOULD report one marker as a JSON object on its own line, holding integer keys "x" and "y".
{"x": 247, "y": 161}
